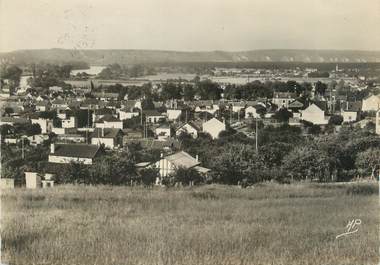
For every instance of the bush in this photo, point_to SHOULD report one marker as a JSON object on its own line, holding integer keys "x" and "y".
{"x": 362, "y": 189}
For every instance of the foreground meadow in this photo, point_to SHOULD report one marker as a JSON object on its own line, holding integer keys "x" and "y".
{"x": 268, "y": 224}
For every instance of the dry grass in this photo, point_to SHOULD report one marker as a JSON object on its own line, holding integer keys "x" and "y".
{"x": 269, "y": 224}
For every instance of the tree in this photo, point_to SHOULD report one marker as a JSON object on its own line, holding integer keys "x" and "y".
{"x": 336, "y": 120}
{"x": 283, "y": 115}
{"x": 148, "y": 176}
{"x": 369, "y": 159}
{"x": 187, "y": 176}
{"x": 8, "y": 111}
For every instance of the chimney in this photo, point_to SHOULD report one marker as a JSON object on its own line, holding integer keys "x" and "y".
{"x": 102, "y": 131}
{"x": 52, "y": 148}
{"x": 197, "y": 158}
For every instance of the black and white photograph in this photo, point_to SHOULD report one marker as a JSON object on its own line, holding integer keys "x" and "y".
{"x": 189, "y": 132}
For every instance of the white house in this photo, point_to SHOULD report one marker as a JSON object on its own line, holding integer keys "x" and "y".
{"x": 67, "y": 153}
{"x": 214, "y": 127}
{"x": 378, "y": 122}
{"x": 282, "y": 99}
{"x": 173, "y": 114}
{"x": 168, "y": 164}
{"x": 314, "y": 115}
{"x": 109, "y": 121}
{"x": 153, "y": 116}
{"x": 251, "y": 111}
{"x": 42, "y": 106}
{"x": 71, "y": 122}
{"x": 33, "y": 180}
{"x": 45, "y": 124}
{"x": 110, "y": 137}
{"x": 238, "y": 106}
{"x": 188, "y": 128}
{"x": 163, "y": 132}
{"x": 125, "y": 114}
{"x": 38, "y": 139}
{"x": 349, "y": 116}
{"x": 371, "y": 103}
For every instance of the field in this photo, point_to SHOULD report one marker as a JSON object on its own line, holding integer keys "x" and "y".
{"x": 267, "y": 224}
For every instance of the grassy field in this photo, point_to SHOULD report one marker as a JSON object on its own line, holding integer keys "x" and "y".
{"x": 268, "y": 224}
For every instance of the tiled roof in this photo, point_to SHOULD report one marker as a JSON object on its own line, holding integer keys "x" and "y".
{"x": 76, "y": 150}
{"x": 182, "y": 159}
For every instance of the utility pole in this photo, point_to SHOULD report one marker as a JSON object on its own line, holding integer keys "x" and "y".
{"x": 22, "y": 148}
{"x": 257, "y": 133}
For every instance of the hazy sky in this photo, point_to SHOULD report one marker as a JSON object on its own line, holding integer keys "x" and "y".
{"x": 190, "y": 25}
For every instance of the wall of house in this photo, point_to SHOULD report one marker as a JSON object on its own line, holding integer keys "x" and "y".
{"x": 371, "y": 104}
{"x": 68, "y": 160}
{"x": 251, "y": 112}
{"x": 214, "y": 128}
{"x": 349, "y": 116}
{"x": 165, "y": 168}
{"x": 173, "y": 114}
{"x": 315, "y": 117}
{"x": 108, "y": 142}
{"x": 187, "y": 129}
{"x": 127, "y": 115}
{"x": 69, "y": 123}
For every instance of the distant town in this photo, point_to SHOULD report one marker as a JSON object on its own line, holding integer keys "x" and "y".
{"x": 188, "y": 124}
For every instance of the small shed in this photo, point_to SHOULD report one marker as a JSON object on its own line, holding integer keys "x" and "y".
{"x": 33, "y": 180}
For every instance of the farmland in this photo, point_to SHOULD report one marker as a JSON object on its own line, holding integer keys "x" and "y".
{"x": 267, "y": 224}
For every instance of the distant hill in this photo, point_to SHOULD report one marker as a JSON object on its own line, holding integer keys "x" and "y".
{"x": 104, "y": 57}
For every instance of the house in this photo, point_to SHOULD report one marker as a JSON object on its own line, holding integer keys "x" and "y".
{"x": 100, "y": 113}
{"x": 126, "y": 114}
{"x": 38, "y": 139}
{"x": 378, "y": 122}
{"x": 295, "y": 106}
{"x": 189, "y": 128}
{"x": 214, "y": 127}
{"x": 12, "y": 121}
{"x": 79, "y": 153}
{"x": 169, "y": 163}
{"x": 163, "y": 132}
{"x": 349, "y": 111}
{"x": 105, "y": 96}
{"x": 109, "y": 121}
{"x": 69, "y": 137}
{"x": 71, "y": 122}
{"x": 55, "y": 89}
{"x": 238, "y": 106}
{"x": 314, "y": 115}
{"x": 45, "y": 124}
{"x": 110, "y": 137}
{"x": 153, "y": 116}
{"x": 371, "y": 103}
{"x": 42, "y": 105}
{"x": 59, "y": 104}
{"x": 253, "y": 111}
{"x": 173, "y": 114}
{"x": 282, "y": 99}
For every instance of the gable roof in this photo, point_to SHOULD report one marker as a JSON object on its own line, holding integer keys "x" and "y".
{"x": 108, "y": 118}
{"x": 76, "y": 150}
{"x": 182, "y": 159}
{"x": 108, "y": 133}
{"x": 295, "y": 104}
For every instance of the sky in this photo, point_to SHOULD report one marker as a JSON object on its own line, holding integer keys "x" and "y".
{"x": 190, "y": 25}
